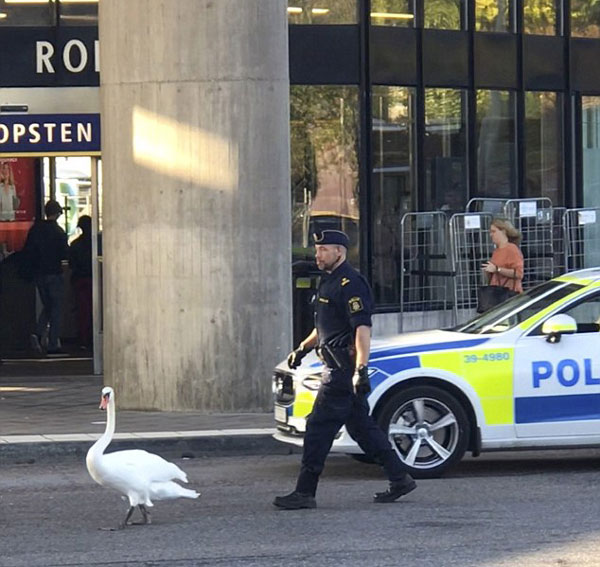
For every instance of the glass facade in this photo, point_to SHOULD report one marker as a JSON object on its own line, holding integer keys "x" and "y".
{"x": 42, "y": 13}
{"x": 414, "y": 121}
{"x": 325, "y": 12}
{"x": 16, "y": 13}
{"x": 540, "y": 17}
{"x": 543, "y": 146}
{"x": 444, "y": 14}
{"x": 585, "y": 18}
{"x": 445, "y": 149}
{"x": 398, "y": 13}
{"x": 392, "y": 182}
{"x": 496, "y": 144}
{"x": 78, "y": 12}
{"x": 590, "y": 142}
{"x": 324, "y": 165}
{"x": 494, "y": 15}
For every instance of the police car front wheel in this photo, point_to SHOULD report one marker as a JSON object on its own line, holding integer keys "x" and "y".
{"x": 427, "y": 427}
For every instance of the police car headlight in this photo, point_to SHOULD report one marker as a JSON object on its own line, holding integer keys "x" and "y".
{"x": 312, "y": 382}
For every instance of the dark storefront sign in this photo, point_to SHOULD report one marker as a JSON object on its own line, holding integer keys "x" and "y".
{"x": 50, "y": 134}
{"x": 49, "y": 57}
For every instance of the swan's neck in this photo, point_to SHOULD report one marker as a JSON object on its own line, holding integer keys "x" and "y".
{"x": 106, "y": 438}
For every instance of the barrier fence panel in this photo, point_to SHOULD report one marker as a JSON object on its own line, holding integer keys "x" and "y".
{"x": 471, "y": 246}
{"x": 582, "y": 238}
{"x": 492, "y": 206}
{"x": 425, "y": 284}
{"x": 558, "y": 240}
{"x": 533, "y": 219}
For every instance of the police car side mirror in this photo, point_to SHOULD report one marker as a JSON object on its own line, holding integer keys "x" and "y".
{"x": 557, "y": 326}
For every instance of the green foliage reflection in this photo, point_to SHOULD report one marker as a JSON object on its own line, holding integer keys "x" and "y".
{"x": 539, "y": 17}
{"x": 324, "y": 163}
{"x": 443, "y": 14}
{"x": 585, "y": 18}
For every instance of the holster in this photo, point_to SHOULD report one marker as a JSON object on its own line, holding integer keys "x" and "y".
{"x": 340, "y": 358}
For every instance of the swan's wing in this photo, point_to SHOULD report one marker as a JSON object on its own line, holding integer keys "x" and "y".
{"x": 149, "y": 465}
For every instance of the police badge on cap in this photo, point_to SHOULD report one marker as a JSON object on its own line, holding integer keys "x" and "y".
{"x": 336, "y": 237}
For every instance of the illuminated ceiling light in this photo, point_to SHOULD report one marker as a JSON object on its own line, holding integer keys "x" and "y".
{"x": 320, "y": 11}
{"x": 26, "y": 1}
{"x": 79, "y": 1}
{"x": 392, "y": 16}
{"x": 294, "y": 10}
{"x": 3, "y": 15}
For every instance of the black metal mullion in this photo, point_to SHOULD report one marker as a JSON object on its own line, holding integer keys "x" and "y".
{"x": 520, "y": 144}
{"x": 472, "y": 189}
{"x": 365, "y": 158}
{"x": 573, "y": 178}
{"x": 419, "y": 150}
{"x": 57, "y": 12}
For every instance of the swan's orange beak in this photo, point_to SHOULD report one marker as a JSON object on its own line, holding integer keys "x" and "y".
{"x": 104, "y": 401}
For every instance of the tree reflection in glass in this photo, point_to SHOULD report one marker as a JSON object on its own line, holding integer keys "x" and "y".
{"x": 585, "y": 18}
{"x": 493, "y": 15}
{"x": 543, "y": 146}
{"x": 392, "y": 183}
{"x": 540, "y": 17}
{"x": 324, "y": 165}
{"x": 445, "y": 149}
{"x": 496, "y": 147}
{"x": 444, "y": 14}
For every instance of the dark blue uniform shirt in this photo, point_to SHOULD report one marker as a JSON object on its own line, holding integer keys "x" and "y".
{"x": 343, "y": 303}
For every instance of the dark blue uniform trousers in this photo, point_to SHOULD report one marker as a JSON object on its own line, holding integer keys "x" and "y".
{"x": 337, "y": 405}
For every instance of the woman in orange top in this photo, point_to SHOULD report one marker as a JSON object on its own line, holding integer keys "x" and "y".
{"x": 505, "y": 267}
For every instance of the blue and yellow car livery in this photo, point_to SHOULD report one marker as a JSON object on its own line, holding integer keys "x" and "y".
{"x": 523, "y": 375}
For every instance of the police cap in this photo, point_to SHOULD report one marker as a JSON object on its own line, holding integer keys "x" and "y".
{"x": 336, "y": 237}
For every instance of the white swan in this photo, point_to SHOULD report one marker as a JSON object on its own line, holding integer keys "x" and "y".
{"x": 141, "y": 476}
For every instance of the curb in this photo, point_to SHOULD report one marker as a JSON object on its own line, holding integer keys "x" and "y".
{"x": 168, "y": 447}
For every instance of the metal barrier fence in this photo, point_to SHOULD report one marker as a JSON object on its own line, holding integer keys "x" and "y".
{"x": 441, "y": 257}
{"x": 426, "y": 277}
{"x": 471, "y": 246}
{"x": 581, "y": 238}
{"x": 533, "y": 219}
{"x": 558, "y": 240}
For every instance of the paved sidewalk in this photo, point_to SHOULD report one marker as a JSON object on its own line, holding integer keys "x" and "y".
{"x": 45, "y": 416}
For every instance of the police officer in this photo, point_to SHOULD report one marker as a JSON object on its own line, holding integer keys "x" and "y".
{"x": 342, "y": 337}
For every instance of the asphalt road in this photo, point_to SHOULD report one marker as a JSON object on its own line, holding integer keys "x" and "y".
{"x": 530, "y": 509}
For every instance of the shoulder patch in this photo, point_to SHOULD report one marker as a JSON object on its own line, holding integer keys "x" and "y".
{"x": 345, "y": 281}
{"x": 355, "y": 304}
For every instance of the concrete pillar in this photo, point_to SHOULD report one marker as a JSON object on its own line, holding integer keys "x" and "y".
{"x": 196, "y": 201}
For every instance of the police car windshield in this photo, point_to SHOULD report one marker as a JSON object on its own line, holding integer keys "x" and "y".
{"x": 519, "y": 308}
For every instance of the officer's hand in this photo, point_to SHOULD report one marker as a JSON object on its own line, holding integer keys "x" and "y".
{"x": 295, "y": 357}
{"x": 362, "y": 384}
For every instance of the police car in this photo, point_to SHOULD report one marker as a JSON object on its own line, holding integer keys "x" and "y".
{"x": 525, "y": 374}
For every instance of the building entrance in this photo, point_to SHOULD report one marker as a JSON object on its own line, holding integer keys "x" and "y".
{"x": 74, "y": 181}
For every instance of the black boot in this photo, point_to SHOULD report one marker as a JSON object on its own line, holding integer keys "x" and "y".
{"x": 396, "y": 489}
{"x": 295, "y": 501}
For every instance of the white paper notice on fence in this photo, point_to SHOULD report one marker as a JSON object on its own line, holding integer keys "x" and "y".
{"x": 587, "y": 217}
{"x": 472, "y": 221}
{"x": 527, "y": 209}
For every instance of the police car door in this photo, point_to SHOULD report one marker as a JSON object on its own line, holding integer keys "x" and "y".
{"x": 557, "y": 385}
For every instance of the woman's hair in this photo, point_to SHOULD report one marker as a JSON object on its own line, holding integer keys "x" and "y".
{"x": 509, "y": 229}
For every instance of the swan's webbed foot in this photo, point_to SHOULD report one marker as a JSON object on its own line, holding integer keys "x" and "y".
{"x": 145, "y": 515}
{"x": 124, "y": 523}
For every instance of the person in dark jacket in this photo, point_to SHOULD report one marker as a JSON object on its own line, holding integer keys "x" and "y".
{"x": 80, "y": 261}
{"x": 45, "y": 248}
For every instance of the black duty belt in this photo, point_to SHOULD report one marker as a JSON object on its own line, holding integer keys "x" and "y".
{"x": 342, "y": 358}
